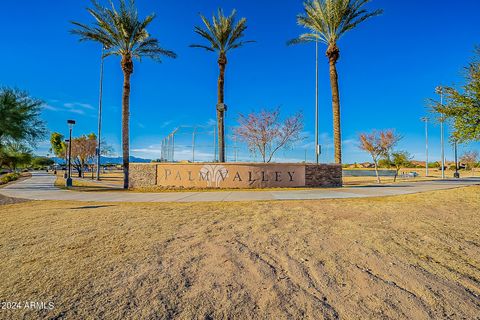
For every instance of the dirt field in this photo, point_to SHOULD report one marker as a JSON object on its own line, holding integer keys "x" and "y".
{"x": 408, "y": 257}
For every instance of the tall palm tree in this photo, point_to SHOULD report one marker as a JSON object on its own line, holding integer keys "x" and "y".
{"x": 328, "y": 21}
{"x": 223, "y": 34}
{"x": 122, "y": 33}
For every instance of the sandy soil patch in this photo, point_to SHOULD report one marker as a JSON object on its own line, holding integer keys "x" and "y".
{"x": 408, "y": 257}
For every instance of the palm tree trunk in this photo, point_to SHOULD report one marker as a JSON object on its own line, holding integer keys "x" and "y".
{"x": 222, "y": 63}
{"x": 127, "y": 67}
{"x": 333, "y": 54}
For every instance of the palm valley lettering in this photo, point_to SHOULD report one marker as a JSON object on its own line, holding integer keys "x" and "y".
{"x": 251, "y": 177}
{"x": 218, "y": 175}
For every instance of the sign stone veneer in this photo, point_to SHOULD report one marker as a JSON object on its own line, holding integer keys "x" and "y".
{"x": 234, "y": 175}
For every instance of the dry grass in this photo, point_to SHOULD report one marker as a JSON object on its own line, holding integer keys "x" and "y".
{"x": 433, "y": 174}
{"x": 411, "y": 257}
{"x": 109, "y": 181}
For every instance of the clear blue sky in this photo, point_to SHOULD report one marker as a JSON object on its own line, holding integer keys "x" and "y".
{"x": 389, "y": 67}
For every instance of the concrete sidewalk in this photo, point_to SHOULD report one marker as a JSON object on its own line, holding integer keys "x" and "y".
{"x": 41, "y": 187}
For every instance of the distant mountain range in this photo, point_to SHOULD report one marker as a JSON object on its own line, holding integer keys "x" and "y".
{"x": 111, "y": 160}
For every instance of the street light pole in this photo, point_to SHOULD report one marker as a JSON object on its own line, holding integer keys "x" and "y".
{"x": 68, "y": 182}
{"x": 439, "y": 91}
{"x": 317, "y": 149}
{"x": 456, "y": 175}
{"x": 65, "y": 175}
{"x": 193, "y": 144}
{"x": 173, "y": 144}
{"x": 173, "y": 147}
{"x": 425, "y": 119}
{"x": 100, "y": 116}
{"x": 442, "y": 138}
{"x": 236, "y": 149}
{"x": 169, "y": 148}
{"x": 214, "y": 144}
{"x": 161, "y": 150}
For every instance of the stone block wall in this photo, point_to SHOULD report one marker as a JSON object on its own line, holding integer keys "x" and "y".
{"x": 234, "y": 175}
{"x": 323, "y": 175}
{"x": 142, "y": 175}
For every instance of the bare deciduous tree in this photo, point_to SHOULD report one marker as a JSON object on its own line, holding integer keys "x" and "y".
{"x": 83, "y": 150}
{"x": 378, "y": 144}
{"x": 266, "y": 133}
{"x": 470, "y": 160}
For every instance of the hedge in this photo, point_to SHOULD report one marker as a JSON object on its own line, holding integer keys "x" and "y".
{"x": 9, "y": 177}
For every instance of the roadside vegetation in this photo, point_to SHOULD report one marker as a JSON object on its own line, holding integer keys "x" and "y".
{"x": 21, "y": 127}
{"x": 462, "y": 103}
{"x": 9, "y": 177}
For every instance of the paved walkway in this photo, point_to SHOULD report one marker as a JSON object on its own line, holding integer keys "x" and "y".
{"x": 41, "y": 187}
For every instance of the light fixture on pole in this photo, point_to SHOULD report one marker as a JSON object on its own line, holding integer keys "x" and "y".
{"x": 425, "y": 119}
{"x": 99, "y": 138}
{"x": 68, "y": 182}
{"x": 439, "y": 90}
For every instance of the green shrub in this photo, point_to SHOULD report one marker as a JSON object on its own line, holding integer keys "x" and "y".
{"x": 9, "y": 177}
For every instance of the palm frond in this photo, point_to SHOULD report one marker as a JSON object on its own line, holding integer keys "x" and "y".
{"x": 222, "y": 33}
{"x": 201, "y": 46}
{"x": 304, "y": 38}
{"x": 329, "y": 20}
{"x": 121, "y": 31}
